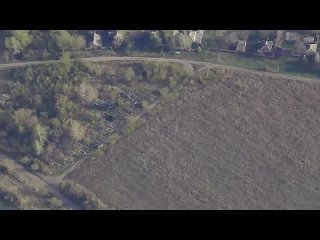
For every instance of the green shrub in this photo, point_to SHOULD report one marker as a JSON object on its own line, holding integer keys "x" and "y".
{"x": 85, "y": 198}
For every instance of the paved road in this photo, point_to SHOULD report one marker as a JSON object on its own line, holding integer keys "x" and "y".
{"x": 172, "y": 60}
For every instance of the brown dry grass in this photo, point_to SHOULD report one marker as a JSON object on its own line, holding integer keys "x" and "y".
{"x": 250, "y": 142}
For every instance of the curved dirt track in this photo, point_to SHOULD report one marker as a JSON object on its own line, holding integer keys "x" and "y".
{"x": 172, "y": 60}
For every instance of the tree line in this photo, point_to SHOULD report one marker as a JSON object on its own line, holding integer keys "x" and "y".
{"x": 54, "y": 44}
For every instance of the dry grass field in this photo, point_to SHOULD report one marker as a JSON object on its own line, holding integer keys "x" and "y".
{"x": 249, "y": 142}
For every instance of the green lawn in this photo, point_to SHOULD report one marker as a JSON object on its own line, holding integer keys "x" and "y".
{"x": 287, "y": 65}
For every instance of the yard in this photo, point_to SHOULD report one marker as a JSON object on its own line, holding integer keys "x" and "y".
{"x": 287, "y": 65}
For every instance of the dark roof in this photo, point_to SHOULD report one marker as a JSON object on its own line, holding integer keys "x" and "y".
{"x": 308, "y": 40}
{"x": 266, "y": 48}
{"x": 292, "y": 36}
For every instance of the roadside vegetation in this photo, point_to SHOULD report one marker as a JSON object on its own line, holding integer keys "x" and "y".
{"x": 29, "y": 45}
{"x": 53, "y": 115}
{"x": 79, "y": 194}
{"x": 23, "y": 192}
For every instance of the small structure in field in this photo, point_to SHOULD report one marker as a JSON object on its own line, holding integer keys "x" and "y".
{"x": 266, "y": 48}
{"x": 309, "y": 40}
{"x": 96, "y": 40}
{"x": 196, "y": 36}
{"x": 292, "y": 37}
{"x": 312, "y": 50}
{"x": 241, "y": 46}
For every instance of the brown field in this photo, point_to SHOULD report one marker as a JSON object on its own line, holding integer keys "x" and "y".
{"x": 250, "y": 142}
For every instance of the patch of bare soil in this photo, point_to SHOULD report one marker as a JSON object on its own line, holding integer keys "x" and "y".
{"x": 250, "y": 142}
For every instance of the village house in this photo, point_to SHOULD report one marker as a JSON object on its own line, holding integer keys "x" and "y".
{"x": 241, "y": 46}
{"x": 309, "y": 40}
{"x": 95, "y": 39}
{"x": 101, "y": 38}
{"x": 292, "y": 37}
{"x": 266, "y": 49}
{"x": 312, "y": 50}
{"x": 195, "y": 35}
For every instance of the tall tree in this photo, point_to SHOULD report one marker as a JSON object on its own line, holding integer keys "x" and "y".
{"x": 40, "y": 133}
{"x": 88, "y": 92}
{"x": 38, "y": 147}
{"x": 23, "y": 118}
{"x": 12, "y": 44}
{"x": 66, "y": 41}
{"x": 17, "y": 40}
{"x": 75, "y": 129}
{"x": 61, "y": 104}
{"x": 130, "y": 74}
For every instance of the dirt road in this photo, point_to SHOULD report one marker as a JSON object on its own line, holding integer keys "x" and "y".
{"x": 170, "y": 60}
{"x": 52, "y": 184}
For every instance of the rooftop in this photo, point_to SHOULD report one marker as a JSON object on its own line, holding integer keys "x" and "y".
{"x": 266, "y": 48}
{"x": 308, "y": 40}
{"x": 97, "y": 40}
{"x": 292, "y": 36}
{"x": 195, "y": 35}
{"x": 312, "y": 50}
{"x": 241, "y": 46}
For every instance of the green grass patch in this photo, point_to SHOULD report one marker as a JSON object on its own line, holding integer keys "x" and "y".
{"x": 286, "y": 65}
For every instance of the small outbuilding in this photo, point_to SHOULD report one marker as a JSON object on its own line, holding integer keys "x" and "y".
{"x": 308, "y": 40}
{"x": 241, "y": 46}
{"x": 312, "y": 50}
{"x": 266, "y": 48}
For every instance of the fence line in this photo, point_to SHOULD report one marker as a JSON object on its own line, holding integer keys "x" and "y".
{"x": 275, "y": 54}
